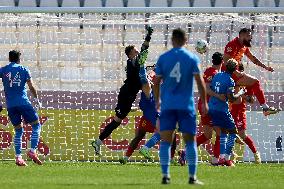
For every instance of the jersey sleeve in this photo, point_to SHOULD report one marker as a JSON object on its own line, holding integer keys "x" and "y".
{"x": 247, "y": 51}
{"x": 231, "y": 87}
{"x": 229, "y": 49}
{"x": 196, "y": 65}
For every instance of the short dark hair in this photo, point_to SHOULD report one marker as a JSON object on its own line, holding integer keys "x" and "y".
{"x": 14, "y": 56}
{"x": 217, "y": 58}
{"x": 179, "y": 36}
{"x": 128, "y": 49}
{"x": 244, "y": 30}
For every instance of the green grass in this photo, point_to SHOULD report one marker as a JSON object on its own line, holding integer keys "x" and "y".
{"x": 111, "y": 175}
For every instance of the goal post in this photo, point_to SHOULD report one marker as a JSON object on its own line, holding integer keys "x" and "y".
{"x": 76, "y": 57}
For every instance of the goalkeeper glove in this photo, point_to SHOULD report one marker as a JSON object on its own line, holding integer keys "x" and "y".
{"x": 38, "y": 104}
{"x": 149, "y": 33}
{"x": 142, "y": 57}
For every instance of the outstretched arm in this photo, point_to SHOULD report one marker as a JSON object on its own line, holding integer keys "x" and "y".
{"x": 257, "y": 62}
{"x": 145, "y": 44}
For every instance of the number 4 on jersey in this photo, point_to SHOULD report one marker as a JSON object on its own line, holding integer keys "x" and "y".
{"x": 175, "y": 73}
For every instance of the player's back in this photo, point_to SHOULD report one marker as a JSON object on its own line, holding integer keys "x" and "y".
{"x": 222, "y": 83}
{"x": 177, "y": 68}
{"x": 14, "y": 78}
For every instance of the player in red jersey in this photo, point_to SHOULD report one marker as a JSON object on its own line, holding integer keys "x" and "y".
{"x": 206, "y": 123}
{"x": 236, "y": 49}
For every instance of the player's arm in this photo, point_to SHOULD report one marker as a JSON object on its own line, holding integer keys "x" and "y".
{"x": 257, "y": 62}
{"x": 226, "y": 57}
{"x": 32, "y": 88}
{"x": 233, "y": 97}
{"x": 34, "y": 92}
{"x": 202, "y": 91}
{"x": 210, "y": 92}
{"x": 146, "y": 43}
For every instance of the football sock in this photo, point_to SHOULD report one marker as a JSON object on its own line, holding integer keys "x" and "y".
{"x": 18, "y": 141}
{"x": 248, "y": 140}
{"x": 216, "y": 148}
{"x": 230, "y": 144}
{"x": 129, "y": 151}
{"x": 191, "y": 157}
{"x": 165, "y": 158}
{"x": 35, "y": 136}
{"x": 153, "y": 140}
{"x": 201, "y": 139}
{"x": 108, "y": 130}
{"x": 143, "y": 75}
{"x": 223, "y": 140}
{"x": 264, "y": 106}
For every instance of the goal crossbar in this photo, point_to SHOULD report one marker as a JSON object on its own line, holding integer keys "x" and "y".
{"x": 5, "y": 9}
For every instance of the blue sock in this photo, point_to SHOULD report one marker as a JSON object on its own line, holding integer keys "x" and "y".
{"x": 223, "y": 140}
{"x": 18, "y": 140}
{"x": 230, "y": 144}
{"x": 143, "y": 75}
{"x": 35, "y": 136}
{"x": 153, "y": 140}
{"x": 165, "y": 154}
{"x": 191, "y": 157}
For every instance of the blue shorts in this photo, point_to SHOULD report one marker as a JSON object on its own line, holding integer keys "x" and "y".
{"x": 186, "y": 121}
{"x": 27, "y": 112}
{"x": 222, "y": 119}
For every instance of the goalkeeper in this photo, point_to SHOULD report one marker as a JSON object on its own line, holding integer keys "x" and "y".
{"x": 136, "y": 79}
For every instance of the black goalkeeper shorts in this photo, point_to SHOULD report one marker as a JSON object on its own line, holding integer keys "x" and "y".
{"x": 126, "y": 97}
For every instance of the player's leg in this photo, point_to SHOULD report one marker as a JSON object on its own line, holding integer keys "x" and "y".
{"x": 249, "y": 141}
{"x": 126, "y": 97}
{"x": 253, "y": 86}
{"x": 139, "y": 135}
{"x": 30, "y": 116}
{"x": 205, "y": 136}
{"x": 173, "y": 148}
{"x": 216, "y": 147}
{"x": 187, "y": 125}
{"x": 15, "y": 118}
{"x": 168, "y": 120}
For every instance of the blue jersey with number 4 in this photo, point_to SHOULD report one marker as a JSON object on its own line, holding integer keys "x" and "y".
{"x": 177, "y": 68}
{"x": 222, "y": 83}
{"x": 14, "y": 77}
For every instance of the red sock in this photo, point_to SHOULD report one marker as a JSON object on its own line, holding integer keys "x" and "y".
{"x": 201, "y": 139}
{"x": 258, "y": 92}
{"x": 129, "y": 151}
{"x": 216, "y": 148}
{"x": 248, "y": 140}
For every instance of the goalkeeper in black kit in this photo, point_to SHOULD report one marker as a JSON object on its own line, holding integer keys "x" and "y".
{"x": 136, "y": 79}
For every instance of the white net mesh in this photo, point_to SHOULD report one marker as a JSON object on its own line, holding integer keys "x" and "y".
{"x": 77, "y": 61}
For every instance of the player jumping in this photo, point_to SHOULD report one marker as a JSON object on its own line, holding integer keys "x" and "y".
{"x": 235, "y": 49}
{"x": 177, "y": 68}
{"x": 222, "y": 83}
{"x": 130, "y": 88}
{"x": 15, "y": 77}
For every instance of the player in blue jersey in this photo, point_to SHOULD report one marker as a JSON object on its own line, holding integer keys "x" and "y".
{"x": 222, "y": 83}
{"x": 15, "y": 77}
{"x": 177, "y": 68}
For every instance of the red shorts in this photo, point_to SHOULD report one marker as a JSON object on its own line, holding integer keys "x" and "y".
{"x": 146, "y": 125}
{"x": 240, "y": 119}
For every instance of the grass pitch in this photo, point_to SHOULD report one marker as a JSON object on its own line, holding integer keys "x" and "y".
{"x": 111, "y": 175}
